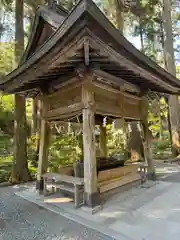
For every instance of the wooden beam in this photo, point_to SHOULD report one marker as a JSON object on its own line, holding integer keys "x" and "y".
{"x": 114, "y": 56}
{"x": 65, "y": 110}
{"x": 124, "y": 85}
{"x": 43, "y": 152}
{"x": 89, "y": 148}
{"x": 115, "y": 111}
{"x": 64, "y": 87}
{"x": 105, "y": 86}
{"x": 30, "y": 71}
{"x": 59, "y": 84}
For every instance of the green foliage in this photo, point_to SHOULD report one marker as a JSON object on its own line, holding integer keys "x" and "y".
{"x": 5, "y": 167}
{"x": 7, "y": 115}
{"x": 6, "y": 58}
{"x": 116, "y": 142}
{"x": 7, "y": 4}
{"x": 161, "y": 148}
{"x": 5, "y": 157}
{"x": 162, "y": 145}
{"x": 64, "y": 150}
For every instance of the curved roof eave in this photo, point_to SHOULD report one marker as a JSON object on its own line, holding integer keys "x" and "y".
{"x": 89, "y": 7}
{"x": 51, "y": 16}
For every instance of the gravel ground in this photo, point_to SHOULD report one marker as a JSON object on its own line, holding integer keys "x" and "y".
{"x": 22, "y": 220}
{"x": 172, "y": 178}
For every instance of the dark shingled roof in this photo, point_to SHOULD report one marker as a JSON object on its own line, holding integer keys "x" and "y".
{"x": 57, "y": 59}
{"x": 53, "y": 17}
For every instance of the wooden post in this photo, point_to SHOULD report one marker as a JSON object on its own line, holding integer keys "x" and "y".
{"x": 90, "y": 171}
{"x": 43, "y": 150}
{"x": 103, "y": 142}
{"x": 43, "y": 154}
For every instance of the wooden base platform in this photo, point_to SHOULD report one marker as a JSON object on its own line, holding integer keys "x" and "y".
{"x": 118, "y": 182}
{"x": 114, "y": 178}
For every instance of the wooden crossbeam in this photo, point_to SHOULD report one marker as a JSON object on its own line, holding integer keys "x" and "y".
{"x": 114, "y": 56}
{"x": 64, "y": 111}
{"x": 124, "y": 85}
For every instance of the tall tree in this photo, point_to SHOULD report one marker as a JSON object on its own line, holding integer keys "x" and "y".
{"x": 119, "y": 11}
{"x": 20, "y": 166}
{"x": 174, "y": 108}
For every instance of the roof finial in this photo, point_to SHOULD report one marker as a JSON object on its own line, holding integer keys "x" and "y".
{"x": 52, "y": 3}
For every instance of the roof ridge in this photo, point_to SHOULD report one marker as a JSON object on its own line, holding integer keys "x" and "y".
{"x": 53, "y": 17}
{"x": 59, "y": 10}
{"x": 88, "y": 6}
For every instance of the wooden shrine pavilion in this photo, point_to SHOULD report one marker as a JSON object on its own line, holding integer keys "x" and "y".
{"x": 78, "y": 63}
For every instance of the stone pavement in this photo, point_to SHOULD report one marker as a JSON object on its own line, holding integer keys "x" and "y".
{"x": 22, "y": 220}
{"x": 142, "y": 213}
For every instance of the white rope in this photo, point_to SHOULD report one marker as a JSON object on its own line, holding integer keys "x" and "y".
{"x": 104, "y": 121}
{"x": 139, "y": 127}
{"x": 113, "y": 125}
{"x": 79, "y": 133}
{"x": 58, "y": 129}
{"x": 69, "y": 127}
{"x": 129, "y": 128}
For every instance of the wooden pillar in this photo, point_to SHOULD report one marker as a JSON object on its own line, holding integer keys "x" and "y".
{"x": 147, "y": 144}
{"x": 103, "y": 141}
{"x": 43, "y": 153}
{"x": 90, "y": 171}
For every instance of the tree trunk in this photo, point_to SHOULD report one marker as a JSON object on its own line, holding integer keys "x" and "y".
{"x": 34, "y": 116}
{"x": 36, "y": 126}
{"x": 36, "y": 123}
{"x": 119, "y": 14}
{"x": 141, "y": 35}
{"x": 136, "y": 149}
{"x": 20, "y": 168}
{"x": 135, "y": 143}
{"x": 174, "y": 109}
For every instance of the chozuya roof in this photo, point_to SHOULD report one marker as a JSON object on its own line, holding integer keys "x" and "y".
{"x": 86, "y": 37}
{"x": 44, "y": 15}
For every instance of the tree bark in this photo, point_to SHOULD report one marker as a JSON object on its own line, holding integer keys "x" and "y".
{"x": 146, "y": 141}
{"x": 141, "y": 35}
{"x": 34, "y": 116}
{"x": 20, "y": 166}
{"x": 103, "y": 141}
{"x": 135, "y": 143}
{"x": 174, "y": 108}
{"x": 119, "y": 14}
{"x": 134, "y": 134}
{"x": 43, "y": 154}
{"x": 36, "y": 126}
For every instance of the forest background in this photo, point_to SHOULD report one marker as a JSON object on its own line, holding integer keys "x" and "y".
{"x": 153, "y": 26}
